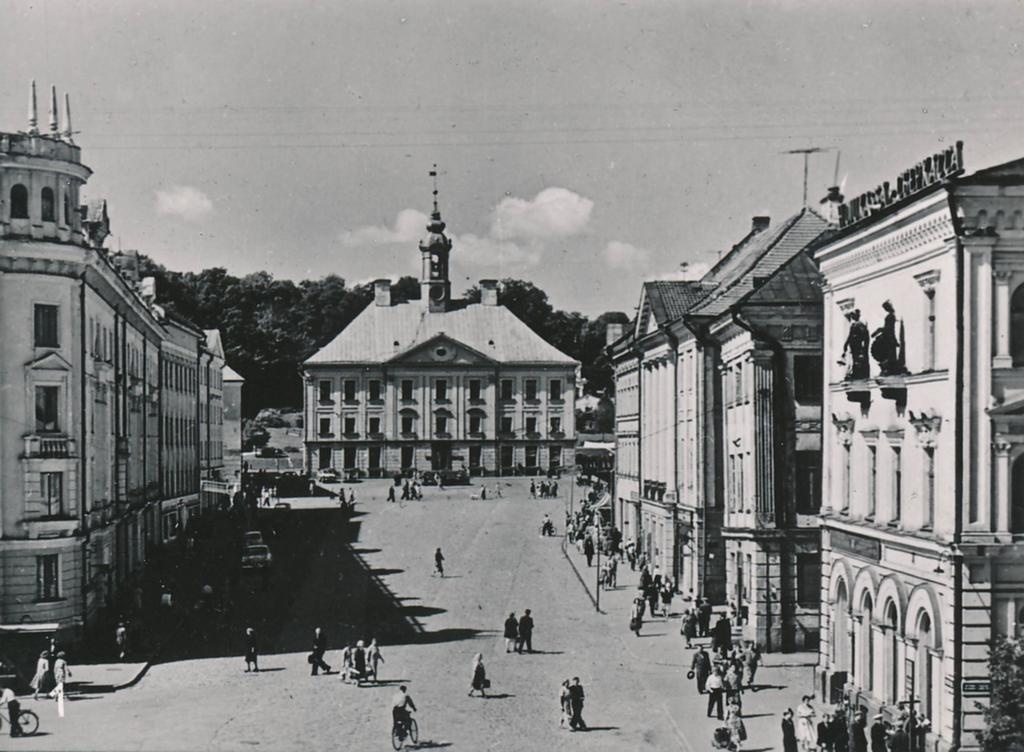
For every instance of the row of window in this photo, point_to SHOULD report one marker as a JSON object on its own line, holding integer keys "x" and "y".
{"x": 808, "y": 381}
{"x": 893, "y": 484}
{"x": 325, "y": 457}
{"x": 474, "y": 423}
{"x": 440, "y": 389}
{"x": 47, "y": 204}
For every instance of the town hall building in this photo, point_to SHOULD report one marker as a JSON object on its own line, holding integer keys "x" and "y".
{"x": 439, "y": 383}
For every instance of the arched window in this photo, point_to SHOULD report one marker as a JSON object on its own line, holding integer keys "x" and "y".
{"x": 868, "y": 646}
{"x": 19, "y": 202}
{"x": 1017, "y": 496}
{"x": 892, "y": 652}
{"x": 927, "y": 667}
{"x": 48, "y": 204}
{"x": 67, "y": 208}
{"x": 841, "y": 629}
{"x": 1017, "y": 326}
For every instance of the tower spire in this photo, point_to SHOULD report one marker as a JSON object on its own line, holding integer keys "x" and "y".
{"x": 33, "y": 119}
{"x": 433, "y": 174}
{"x": 53, "y": 110}
{"x": 67, "y": 132}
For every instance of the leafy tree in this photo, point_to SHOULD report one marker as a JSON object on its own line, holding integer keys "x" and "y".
{"x": 255, "y": 436}
{"x": 1004, "y": 721}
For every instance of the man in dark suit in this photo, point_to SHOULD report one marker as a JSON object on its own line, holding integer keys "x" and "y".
{"x": 576, "y": 721}
{"x": 721, "y": 636}
{"x": 319, "y": 648}
{"x": 525, "y": 633}
{"x": 704, "y": 617}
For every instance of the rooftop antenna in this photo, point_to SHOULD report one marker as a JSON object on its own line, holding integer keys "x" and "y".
{"x": 835, "y": 176}
{"x": 807, "y": 153}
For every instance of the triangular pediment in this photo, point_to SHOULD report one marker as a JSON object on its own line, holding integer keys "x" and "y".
{"x": 442, "y": 350}
{"x": 50, "y": 361}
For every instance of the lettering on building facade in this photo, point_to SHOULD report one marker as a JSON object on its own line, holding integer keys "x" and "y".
{"x": 858, "y": 545}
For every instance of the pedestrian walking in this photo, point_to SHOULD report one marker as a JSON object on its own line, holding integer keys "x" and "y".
{"x": 61, "y": 673}
{"x": 576, "y": 697}
{"x": 373, "y": 657}
{"x": 10, "y": 701}
{"x": 840, "y": 733}
{"x": 704, "y": 616}
{"x": 359, "y": 663}
{"x": 721, "y": 636}
{"x": 751, "y": 662}
{"x": 533, "y": 490}
{"x": 651, "y": 592}
{"x": 636, "y": 615}
{"x": 667, "y": 593}
{"x": 511, "y": 632}
{"x": 688, "y": 627}
{"x": 479, "y": 682}
{"x": 564, "y": 705}
{"x": 825, "y": 732}
{"x": 733, "y": 684}
{"x": 631, "y": 555}
{"x": 879, "y": 734}
{"x": 251, "y": 656}
{"x": 700, "y": 668}
{"x": 391, "y": 494}
{"x": 588, "y": 550}
{"x": 789, "y": 743}
{"x": 346, "y": 662}
{"x": 439, "y": 562}
{"x": 715, "y": 687}
{"x": 316, "y": 658}
{"x": 806, "y": 733}
{"x": 526, "y": 633}
{"x": 734, "y": 722}
{"x": 121, "y": 639}
{"x": 858, "y": 735}
{"x": 613, "y": 572}
{"x": 42, "y": 679}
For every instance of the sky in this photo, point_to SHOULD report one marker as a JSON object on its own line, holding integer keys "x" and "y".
{"x": 582, "y": 145}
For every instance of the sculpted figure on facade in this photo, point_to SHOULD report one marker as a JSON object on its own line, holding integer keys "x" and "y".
{"x": 888, "y": 345}
{"x": 856, "y": 344}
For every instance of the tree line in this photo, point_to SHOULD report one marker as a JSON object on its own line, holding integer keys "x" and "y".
{"x": 270, "y": 326}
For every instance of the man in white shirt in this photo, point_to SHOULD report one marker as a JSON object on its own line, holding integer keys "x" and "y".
{"x": 9, "y": 701}
{"x": 401, "y": 704}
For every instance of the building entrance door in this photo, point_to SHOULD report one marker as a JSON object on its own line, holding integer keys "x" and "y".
{"x": 440, "y": 457}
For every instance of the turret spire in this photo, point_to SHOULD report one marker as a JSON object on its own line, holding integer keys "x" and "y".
{"x": 53, "y": 110}
{"x": 433, "y": 174}
{"x": 67, "y": 132}
{"x": 33, "y": 119}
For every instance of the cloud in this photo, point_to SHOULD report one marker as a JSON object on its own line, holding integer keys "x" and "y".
{"x": 621, "y": 255}
{"x": 410, "y": 225}
{"x": 518, "y": 236}
{"x": 490, "y": 251}
{"x": 552, "y": 213}
{"x": 183, "y": 201}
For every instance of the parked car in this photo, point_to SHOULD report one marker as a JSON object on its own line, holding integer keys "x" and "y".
{"x": 256, "y": 557}
{"x": 428, "y": 478}
{"x": 328, "y": 475}
{"x": 454, "y": 477}
{"x": 272, "y": 452}
{"x": 253, "y": 538}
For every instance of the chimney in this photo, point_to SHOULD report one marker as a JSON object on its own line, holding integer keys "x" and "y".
{"x": 613, "y": 332}
{"x": 489, "y": 292}
{"x": 382, "y": 292}
{"x": 830, "y": 205}
{"x": 760, "y": 224}
{"x": 148, "y": 289}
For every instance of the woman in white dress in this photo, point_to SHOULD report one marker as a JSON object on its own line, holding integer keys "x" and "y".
{"x": 805, "y": 732}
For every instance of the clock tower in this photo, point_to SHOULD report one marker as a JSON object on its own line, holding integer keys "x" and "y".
{"x": 435, "y": 285}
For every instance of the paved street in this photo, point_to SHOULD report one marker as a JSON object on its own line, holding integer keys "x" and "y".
{"x": 372, "y": 577}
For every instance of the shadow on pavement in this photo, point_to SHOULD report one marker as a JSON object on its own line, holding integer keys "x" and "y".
{"x": 319, "y": 578}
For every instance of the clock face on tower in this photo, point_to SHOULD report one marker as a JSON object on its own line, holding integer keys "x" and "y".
{"x": 437, "y": 293}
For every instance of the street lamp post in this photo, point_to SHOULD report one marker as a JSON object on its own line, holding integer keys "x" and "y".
{"x": 597, "y": 545}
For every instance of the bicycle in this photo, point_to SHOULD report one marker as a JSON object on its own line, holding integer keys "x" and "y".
{"x": 399, "y": 734}
{"x": 28, "y": 721}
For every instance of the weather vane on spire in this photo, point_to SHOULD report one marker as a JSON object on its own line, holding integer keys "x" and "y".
{"x": 433, "y": 174}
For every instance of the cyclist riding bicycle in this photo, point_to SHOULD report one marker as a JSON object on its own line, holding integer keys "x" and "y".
{"x": 401, "y": 704}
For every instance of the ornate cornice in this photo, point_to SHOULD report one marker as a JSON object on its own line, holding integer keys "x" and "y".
{"x": 892, "y": 244}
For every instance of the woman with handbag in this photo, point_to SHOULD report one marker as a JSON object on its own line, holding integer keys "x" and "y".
{"x": 480, "y": 682}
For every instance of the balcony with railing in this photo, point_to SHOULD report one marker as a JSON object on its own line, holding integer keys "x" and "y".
{"x": 50, "y": 446}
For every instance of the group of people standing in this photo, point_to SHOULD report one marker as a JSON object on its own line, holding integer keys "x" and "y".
{"x": 846, "y": 730}
{"x": 359, "y": 662}
{"x": 519, "y": 633}
{"x": 652, "y": 590}
{"x": 544, "y": 490}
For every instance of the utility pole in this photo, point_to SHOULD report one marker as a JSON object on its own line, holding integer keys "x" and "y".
{"x": 807, "y": 153}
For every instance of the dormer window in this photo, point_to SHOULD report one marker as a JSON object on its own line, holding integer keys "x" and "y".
{"x": 19, "y": 202}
